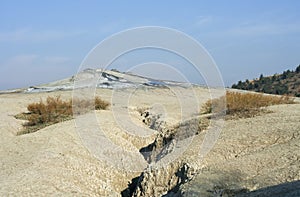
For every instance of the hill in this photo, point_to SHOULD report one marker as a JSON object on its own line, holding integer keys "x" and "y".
{"x": 287, "y": 83}
{"x": 107, "y": 79}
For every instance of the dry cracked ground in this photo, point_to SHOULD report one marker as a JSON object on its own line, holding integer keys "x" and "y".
{"x": 250, "y": 154}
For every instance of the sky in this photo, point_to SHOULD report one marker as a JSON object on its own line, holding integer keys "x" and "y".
{"x": 43, "y": 41}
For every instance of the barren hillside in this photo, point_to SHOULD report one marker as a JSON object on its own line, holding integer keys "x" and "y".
{"x": 250, "y": 153}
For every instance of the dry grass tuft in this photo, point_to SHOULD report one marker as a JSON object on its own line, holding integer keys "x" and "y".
{"x": 52, "y": 111}
{"x": 100, "y": 104}
{"x": 245, "y": 105}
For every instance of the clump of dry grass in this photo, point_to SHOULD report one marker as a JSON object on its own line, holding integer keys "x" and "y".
{"x": 100, "y": 104}
{"x": 54, "y": 110}
{"x": 244, "y": 105}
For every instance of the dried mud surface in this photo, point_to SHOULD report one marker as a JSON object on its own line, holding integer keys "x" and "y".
{"x": 250, "y": 153}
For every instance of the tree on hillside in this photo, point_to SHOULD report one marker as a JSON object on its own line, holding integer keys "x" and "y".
{"x": 261, "y": 77}
{"x": 298, "y": 69}
{"x": 274, "y": 77}
{"x": 287, "y": 82}
{"x": 284, "y": 75}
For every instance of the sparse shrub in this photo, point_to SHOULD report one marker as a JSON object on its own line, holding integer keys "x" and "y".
{"x": 54, "y": 110}
{"x": 100, "y": 104}
{"x": 215, "y": 106}
{"x": 207, "y": 107}
{"x": 243, "y": 105}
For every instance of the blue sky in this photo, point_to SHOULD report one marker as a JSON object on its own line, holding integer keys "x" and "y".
{"x": 42, "y": 41}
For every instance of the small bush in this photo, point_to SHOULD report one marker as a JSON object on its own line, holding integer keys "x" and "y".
{"x": 243, "y": 105}
{"x": 54, "y": 110}
{"x": 100, "y": 104}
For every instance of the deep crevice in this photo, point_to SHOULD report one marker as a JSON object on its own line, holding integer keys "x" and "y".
{"x": 128, "y": 192}
{"x": 162, "y": 145}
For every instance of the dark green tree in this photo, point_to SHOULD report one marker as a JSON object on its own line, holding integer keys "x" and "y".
{"x": 261, "y": 76}
{"x": 298, "y": 69}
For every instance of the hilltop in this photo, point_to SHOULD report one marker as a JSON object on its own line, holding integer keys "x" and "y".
{"x": 286, "y": 83}
{"x": 106, "y": 79}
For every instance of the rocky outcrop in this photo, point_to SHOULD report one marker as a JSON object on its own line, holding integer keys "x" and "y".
{"x": 168, "y": 136}
{"x": 164, "y": 179}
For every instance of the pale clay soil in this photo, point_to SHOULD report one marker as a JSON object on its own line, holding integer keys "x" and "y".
{"x": 254, "y": 153}
{"x": 259, "y": 151}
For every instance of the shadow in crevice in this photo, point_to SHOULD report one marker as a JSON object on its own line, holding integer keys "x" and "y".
{"x": 128, "y": 192}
